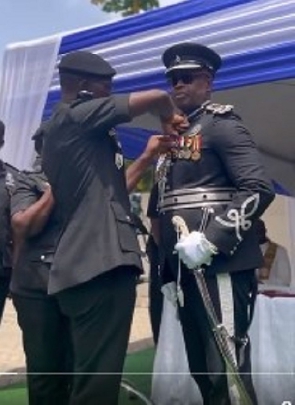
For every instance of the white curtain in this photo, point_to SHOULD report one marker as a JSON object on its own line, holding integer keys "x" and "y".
{"x": 25, "y": 79}
{"x": 273, "y": 350}
{"x": 172, "y": 383}
{"x": 273, "y": 356}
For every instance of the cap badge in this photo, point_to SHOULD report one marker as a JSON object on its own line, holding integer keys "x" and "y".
{"x": 177, "y": 59}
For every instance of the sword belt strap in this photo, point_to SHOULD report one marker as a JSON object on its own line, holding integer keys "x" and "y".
{"x": 226, "y": 298}
{"x": 195, "y": 198}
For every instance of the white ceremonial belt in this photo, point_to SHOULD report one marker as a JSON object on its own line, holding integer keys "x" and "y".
{"x": 195, "y": 198}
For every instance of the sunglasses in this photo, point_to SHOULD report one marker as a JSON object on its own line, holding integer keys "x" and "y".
{"x": 185, "y": 78}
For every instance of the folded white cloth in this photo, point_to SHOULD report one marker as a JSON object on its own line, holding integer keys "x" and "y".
{"x": 169, "y": 290}
{"x": 195, "y": 250}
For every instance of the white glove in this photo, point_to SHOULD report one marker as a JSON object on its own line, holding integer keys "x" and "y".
{"x": 169, "y": 290}
{"x": 195, "y": 250}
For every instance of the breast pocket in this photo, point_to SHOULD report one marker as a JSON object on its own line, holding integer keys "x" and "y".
{"x": 125, "y": 228}
{"x": 40, "y": 255}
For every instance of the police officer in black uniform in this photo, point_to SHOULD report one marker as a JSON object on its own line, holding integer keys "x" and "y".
{"x": 46, "y": 335}
{"x": 97, "y": 261}
{"x": 215, "y": 182}
{"x": 8, "y": 175}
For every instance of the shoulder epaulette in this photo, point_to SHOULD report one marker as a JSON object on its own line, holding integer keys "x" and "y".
{"x": 219, "y": 109}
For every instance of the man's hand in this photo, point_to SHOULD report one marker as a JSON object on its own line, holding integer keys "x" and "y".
{"x": 158, "y": 144}
{"x": 32, "y": 220}
{"x": 47, "y": 194}
{"x": 174, "y": 125}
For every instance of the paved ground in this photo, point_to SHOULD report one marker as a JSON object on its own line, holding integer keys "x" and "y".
{"x": 11, "y": 353}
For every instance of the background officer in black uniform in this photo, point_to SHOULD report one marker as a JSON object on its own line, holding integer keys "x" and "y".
{"x": 8, "y": 176}
{"x": 215, "y": 181}
{"x": 97, "y": 260}
{"x": 46, "y": 335}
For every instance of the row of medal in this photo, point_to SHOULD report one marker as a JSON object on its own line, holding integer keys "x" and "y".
{"x": 189, "y": 148}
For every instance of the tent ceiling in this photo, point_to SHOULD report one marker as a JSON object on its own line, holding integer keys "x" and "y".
{"x": 268, "y": 111}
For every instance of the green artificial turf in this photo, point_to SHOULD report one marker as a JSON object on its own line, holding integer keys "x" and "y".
{"x": 137, "y": 370}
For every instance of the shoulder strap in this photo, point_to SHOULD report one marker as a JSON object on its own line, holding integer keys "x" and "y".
{"x": 219, "y": 109}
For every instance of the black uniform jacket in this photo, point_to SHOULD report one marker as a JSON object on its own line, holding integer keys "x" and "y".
{"x": 226, "y": 157}
{"x": 8, "y": 175}
{"x": 84, "y": 165}
{"x": 31, "y": 270}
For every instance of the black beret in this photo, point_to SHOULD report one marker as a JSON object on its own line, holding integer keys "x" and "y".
{"x": 189, "y": 55}
{"x": 86, "y": 63}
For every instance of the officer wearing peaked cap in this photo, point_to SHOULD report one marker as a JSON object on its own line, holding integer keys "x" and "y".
{"x": 97, "y": 260}
{"x": 215, "y": 182}
{"x": 190, "y": 56}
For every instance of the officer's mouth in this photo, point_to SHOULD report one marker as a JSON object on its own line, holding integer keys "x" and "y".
{"x": 180, "y": 96}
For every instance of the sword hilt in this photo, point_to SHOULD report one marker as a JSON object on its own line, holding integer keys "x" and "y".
{"x": 180, "y": 225}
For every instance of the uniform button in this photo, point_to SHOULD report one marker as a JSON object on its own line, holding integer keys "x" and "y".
{"x": 42, "y": 257}
{"x": 128, "y": 218}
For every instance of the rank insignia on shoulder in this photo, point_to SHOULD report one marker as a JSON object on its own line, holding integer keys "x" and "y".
{"x": 219, "y": 109}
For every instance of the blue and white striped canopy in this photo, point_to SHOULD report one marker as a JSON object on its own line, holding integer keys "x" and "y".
{"x": 256, "y": 39}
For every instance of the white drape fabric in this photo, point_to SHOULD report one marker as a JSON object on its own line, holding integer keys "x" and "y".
{"x": 172, "y": 383}
{"x": 273, "y": 349}
{"x": 25, "y": 79}
{"x": 273, "y": 355}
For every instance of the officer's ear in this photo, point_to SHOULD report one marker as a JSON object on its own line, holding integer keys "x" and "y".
{"x": 209, "y": 83}
{"x": 209, "y": 79}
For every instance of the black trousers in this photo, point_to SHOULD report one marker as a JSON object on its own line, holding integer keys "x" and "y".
{"x": 100, "y": 313}
{"x": 155, "y": 284}
{"x": 4, "y": 290}
{"x": 48, "y": 349}
{"x": 205, "y": 361}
